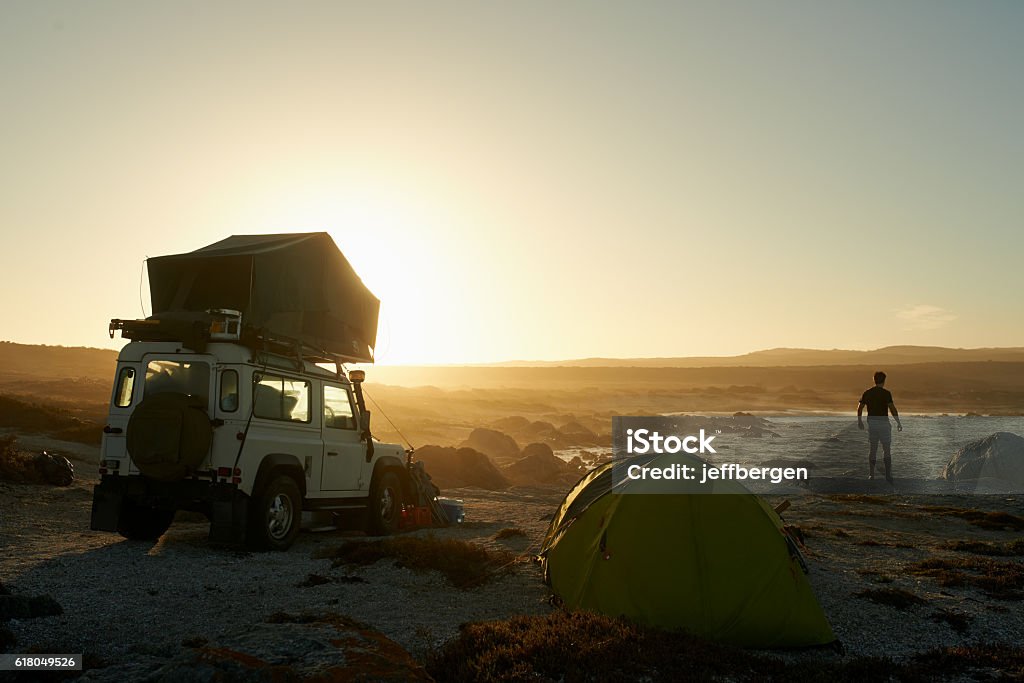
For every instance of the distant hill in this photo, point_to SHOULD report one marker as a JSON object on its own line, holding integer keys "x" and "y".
{"x": 926, "y": 379}
{"x": 57, "y": 361}
{"x": 783, "y": 357}
{"x": 84, "y": 362}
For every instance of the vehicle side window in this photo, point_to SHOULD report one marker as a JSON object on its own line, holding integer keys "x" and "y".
{"x": 338, "y": 408}
{"x": 281, "y": 398}
{"x": 125, "y": 386}
{"x": 229, "y": 391}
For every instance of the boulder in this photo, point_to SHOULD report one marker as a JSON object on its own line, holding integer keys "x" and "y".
{"x": 998, "y": 456}
{"x": 541, "y": 450}
{"x": 457, "y": 467}
{"x": 514, "y": 423}
{"x": 54, "y": 469}
{"x": 540, "y": 428}
{"x": 575, "y": 429}
{"x": 28, "y": 607}
{"x": 539, "y": 466}
{"x": 497, "y": 445}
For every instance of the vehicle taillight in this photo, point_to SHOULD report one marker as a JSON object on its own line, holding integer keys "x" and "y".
{"x": 224, "y": 472}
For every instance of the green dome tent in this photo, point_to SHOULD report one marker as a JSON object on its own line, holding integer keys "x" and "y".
{"x": 718, "y": 565}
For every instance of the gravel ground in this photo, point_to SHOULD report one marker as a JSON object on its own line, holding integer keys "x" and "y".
{"x": 124, "y": 600}
{"x": 841, "y": 568}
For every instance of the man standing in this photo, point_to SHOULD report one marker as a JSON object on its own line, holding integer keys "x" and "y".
{"x": 878, "y": 399}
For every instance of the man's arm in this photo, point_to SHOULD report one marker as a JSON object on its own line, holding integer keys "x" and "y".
{"x": 860, "y": 413}
{"x": 896, "y": 414}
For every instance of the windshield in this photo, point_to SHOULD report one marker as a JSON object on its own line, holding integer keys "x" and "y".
{"x": 183, "y": 377}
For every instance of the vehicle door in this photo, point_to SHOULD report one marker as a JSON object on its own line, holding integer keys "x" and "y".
{"x": 127, "y": 395}
{"x": 344, "y": 452}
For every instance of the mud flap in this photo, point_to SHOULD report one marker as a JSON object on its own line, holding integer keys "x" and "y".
{"x": 228, "y": 518}
{"x": 106, "y": 508}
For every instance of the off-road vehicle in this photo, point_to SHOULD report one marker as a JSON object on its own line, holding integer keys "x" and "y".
{"x": 247, "y": 426}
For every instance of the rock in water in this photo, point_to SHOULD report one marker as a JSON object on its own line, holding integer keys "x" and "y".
{"x": 999, "y": 456}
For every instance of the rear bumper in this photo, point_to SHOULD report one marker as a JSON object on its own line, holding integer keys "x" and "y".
{"x": 224, "y": 504}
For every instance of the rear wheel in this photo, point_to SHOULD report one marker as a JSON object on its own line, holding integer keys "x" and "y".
{"x": 385, "y": 505}
{"x": 141, "y": 523}
{"x": 275, "y": 515}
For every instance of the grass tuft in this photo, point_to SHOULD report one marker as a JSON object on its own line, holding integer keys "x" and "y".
{"x": 31, "y": 417}
{"x": 994, "y": 521}
{"x": 16, "y": 466}
{"x": 313, "y": 580}
{"x": 985, "y": 548}
{"x": 893, "y": 597}
{"x": 1003, "y": 580}
{"x": 464, "y": 564}
{"x": 862, "y": 498}
{"x": 958, "y": 621}
{"x": 509, "y": 532}
{"x": 579, "y": 646}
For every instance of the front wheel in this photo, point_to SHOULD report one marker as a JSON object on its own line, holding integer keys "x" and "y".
{"x": 141, "y": 523}
{"x": 385, "y": 505}
{"x": 275, "y": 515}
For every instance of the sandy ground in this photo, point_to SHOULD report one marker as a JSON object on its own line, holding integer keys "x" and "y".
{"x": 123, "y": 600}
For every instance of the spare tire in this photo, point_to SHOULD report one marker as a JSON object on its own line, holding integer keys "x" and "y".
{"x": 169, "y": 435}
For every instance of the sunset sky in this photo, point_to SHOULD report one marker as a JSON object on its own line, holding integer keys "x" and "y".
{"x": 532, "y": 180}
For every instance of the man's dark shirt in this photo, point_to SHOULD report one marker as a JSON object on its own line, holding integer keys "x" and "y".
{"x": 877, "y": 399}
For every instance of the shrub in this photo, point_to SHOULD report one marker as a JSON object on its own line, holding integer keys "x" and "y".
{"x": 984, "y": 548}
{"x": 995, "y": 521}
{"x": 1002, "y": 580}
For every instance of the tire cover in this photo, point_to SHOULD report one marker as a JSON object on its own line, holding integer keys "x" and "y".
{"x": 169, "y": 435}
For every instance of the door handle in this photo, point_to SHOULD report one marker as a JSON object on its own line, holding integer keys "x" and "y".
{"x": 332, "y": 452}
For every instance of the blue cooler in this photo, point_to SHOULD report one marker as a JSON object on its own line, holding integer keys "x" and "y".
{"x": 453, "y": 508}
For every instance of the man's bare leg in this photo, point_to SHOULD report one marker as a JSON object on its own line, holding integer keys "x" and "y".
{"x": 887, "y": 459}
{"x": 871, "y": 459}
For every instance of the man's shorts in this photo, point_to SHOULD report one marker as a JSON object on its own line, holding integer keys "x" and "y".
{"x": 879, "y": 429}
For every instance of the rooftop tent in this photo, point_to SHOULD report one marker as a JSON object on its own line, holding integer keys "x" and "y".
{"x": 718, "y": 565}
{"x": 297, "y": 286}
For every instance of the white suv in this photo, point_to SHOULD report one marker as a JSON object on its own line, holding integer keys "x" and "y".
{"x": 250, "y": 438}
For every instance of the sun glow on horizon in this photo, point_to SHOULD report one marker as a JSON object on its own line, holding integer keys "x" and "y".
{"x": 518, "y": 182}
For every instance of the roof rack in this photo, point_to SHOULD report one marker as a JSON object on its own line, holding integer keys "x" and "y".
{"x": 196, "y": 331}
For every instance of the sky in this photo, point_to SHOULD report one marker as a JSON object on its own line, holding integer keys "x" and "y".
{"x": 531, "y": 180}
